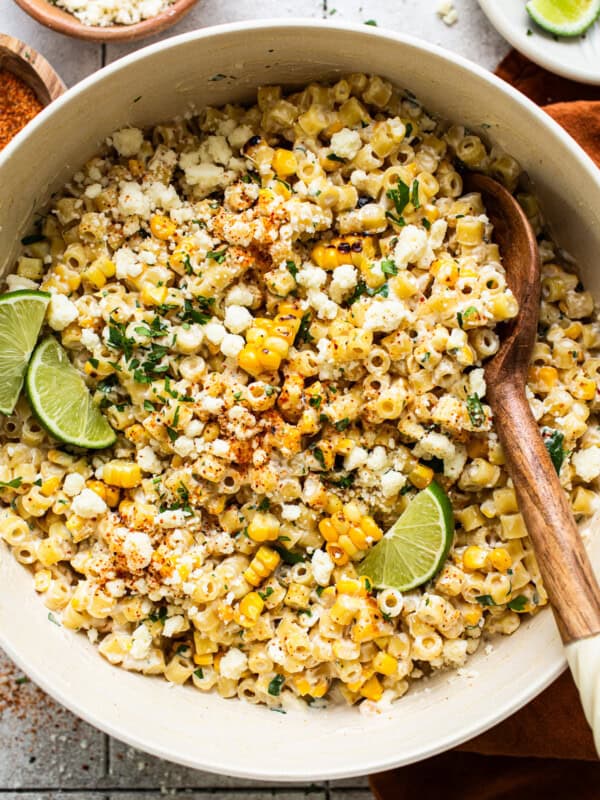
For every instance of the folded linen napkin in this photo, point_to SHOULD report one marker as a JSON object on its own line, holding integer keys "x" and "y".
{"x": 546, "y": 750}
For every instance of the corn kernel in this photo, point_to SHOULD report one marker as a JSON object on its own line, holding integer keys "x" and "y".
{"x": 162, "y": 227}
{"x": 124, "y": 474}
{"x": 421, "y": 476}
{"x": 372, "y": 689}
{"x": 474, "y": 558}
{"x": 500, "y": 559}
{"x": 50, "y": 485}
{"x": 284, "y": 163}
{"x": 251, "y": 607}
{"x": 152, "y": 295}
{"x": 263, "y": 527}
{"x": 385, "y": 664}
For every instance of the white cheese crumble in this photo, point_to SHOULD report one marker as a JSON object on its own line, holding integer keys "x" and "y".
{"x": 61, "y": 312}
{"x": 446, "y": 10}
{"x": 100, "y": 13}
{"x": 138, "y": 550}
{"x": 88, "y": 504}
{"x": 233, "y": 664}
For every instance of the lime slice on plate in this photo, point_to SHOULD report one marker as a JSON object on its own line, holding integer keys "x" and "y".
{"x": 61, "y": 400}
{"x": 564, "y": 17}
{"x": 416, "y": 546}
{"x": 21, "y": 317}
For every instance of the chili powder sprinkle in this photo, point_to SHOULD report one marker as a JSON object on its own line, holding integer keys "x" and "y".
{"x": 18, "y": 105}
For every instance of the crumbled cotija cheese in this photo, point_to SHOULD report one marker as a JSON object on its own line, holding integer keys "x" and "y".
{"x": 113, "y": 12}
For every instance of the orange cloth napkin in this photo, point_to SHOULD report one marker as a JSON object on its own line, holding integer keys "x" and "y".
{"x": 545, "y": 750}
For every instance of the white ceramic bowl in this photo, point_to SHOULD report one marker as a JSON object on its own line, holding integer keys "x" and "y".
{"x": 182, "y": 724}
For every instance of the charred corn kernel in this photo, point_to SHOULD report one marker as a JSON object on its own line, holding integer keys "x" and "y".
{"x": 98, "y": 368}
{"x": 162, "y": 227}
{"x": 477, "y": 447}
{"x": 251, "y": 607}
{"x": 110, "y": 494}
{"x": 500, "y": 559}
{"x": 152, "y": 295}
{"x": 256, "y": 335}
{"x": 41, "y": 580}
{"x": 50, "y": 485}
{"x": 421, "y": 476}
{"x": 124, "y": 474}
{"x": 472, "y": 615}
{"x": 344, "y": 610}
{"x": 340, "y": 523}
{"x": 345, "y": 445}
{"x": 269, "y": 360}
{"x": 284, "y": 163}
{"x": 474, "y": 558}
{"x": 337, "y": 554}
{"x": 94, "y": 275}
{"x": 263, "y": 527}
{"x": 385, "y": 664}
{"x": 544, "y": 378}
{"x": 298, "y": 596}
{"x": 372, "y": 689}
{"x": 325, "y": 256}
{"x": 348, "y": 546}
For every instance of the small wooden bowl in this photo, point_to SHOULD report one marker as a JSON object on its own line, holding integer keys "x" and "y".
{"x": 59, "y": 20}
{"x": 32, "y": 68}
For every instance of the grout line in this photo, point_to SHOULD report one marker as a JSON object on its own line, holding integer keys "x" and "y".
{"x": 101, "y": 794}
{"x": 106, "y": 753}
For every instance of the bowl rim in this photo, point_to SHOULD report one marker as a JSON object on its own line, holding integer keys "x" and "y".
{"x": 36, "y": 65}
{"x": 555, "y": 665}
{"x": 57, "y": 19}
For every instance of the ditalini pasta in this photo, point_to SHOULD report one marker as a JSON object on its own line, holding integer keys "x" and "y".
{"x": 284, "y": 311}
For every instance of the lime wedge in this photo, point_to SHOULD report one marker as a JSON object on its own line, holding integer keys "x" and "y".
{"x": 564, "y": 17}
{"x": 61, "y": 400}
{"x": 21, "y": 317}
{"x": 416, "y": 546}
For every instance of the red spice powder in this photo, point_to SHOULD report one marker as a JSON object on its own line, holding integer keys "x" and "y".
{"x": 18, "y": 105}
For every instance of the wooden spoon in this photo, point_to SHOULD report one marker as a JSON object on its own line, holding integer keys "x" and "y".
{"x": 562, "y": 559}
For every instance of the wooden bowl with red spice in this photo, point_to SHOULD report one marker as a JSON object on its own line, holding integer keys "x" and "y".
{"x": 27, "y": 85}
{"x": 56, "y": 18}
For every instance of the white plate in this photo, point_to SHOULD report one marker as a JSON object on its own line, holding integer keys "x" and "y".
{"x": 578, "y": 58}
{"x": 226, "y": 64}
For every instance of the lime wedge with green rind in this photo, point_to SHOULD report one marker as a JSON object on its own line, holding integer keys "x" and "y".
{"x": 564, "y": 17}
{"x": 415, "y": 547}
{"x": 21, "y": 316}
{"x": 61, "y": 400}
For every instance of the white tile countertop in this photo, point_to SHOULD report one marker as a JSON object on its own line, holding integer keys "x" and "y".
{"x": 45, "y": 752}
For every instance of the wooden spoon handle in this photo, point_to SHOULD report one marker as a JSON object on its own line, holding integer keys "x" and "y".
{"x": 561, "y": 556}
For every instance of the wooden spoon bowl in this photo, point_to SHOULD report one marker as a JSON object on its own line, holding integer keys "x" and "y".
{"x": 32, "y": 68}
{"x": 57, "y": 19}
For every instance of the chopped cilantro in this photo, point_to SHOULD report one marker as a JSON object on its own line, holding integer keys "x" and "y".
{"x": 475, "y": 409}
{"x": 303, "y": 334}
{"x": 148, "y": 406}
{"x": 14, "y": 484}
{"x": 275, "y": 685}
{"x": 372, "y": 22}
{"x": 291, "y": 268}
{"x": 315, "y": 401}
{"x": 414, "y": 194}
{"x": 518, "y": 603}
{"x": 318, "y": 454}
{"x": 217, "y": 255}
{"x": 333, "y": 157}
{"x": 554, "y": 440}
{"x": 199, "y": 673}
{"x": 388, "y": 267}
{"x": 426, "y": 223}
{"x": 400, "y": 196}
{"x": 485, "y": 600}
{"x": 267, "y": 593}
{"x": 33, "y": 238}
{"x": 264, "y": 505}
{"x": 342, "y": 424}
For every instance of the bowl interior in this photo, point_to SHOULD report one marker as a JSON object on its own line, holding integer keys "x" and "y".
{"x": 223, "y": 65}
